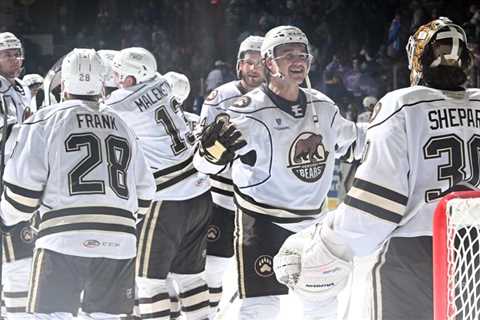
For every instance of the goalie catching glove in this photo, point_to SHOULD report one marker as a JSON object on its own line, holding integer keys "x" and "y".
{"x": 220, "y": 140}
{"x": 314, "y": 263}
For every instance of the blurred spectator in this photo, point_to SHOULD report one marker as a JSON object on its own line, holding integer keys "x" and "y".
{"x": 220, "y": 74}
{"x": 393, "y": 41}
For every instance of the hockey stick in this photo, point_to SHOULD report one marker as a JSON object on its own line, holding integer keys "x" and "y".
{"x": 222, "y": 312}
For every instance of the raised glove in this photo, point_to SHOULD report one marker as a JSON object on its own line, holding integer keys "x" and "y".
{"x": 220, "y": 140}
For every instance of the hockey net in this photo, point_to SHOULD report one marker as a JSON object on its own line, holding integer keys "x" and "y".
{"x": 456, "y": 257}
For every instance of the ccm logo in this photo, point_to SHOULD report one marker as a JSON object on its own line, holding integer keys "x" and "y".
{"x": 91, "y": 243}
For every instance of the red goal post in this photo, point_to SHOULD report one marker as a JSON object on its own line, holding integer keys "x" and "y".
{"x": 456, "y": 257}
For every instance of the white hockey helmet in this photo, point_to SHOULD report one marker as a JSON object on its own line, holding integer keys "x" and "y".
{"x": 83, "y": 72}
{"x": 369, "y": 101}
{"x": 282, "y": 35}
{"x": 419, "y": 43}
{"x": 179, "y": 84}
{"x": 136, "y": 62}
{"x": 9, "y": 41}
{"x": 32, "y": 79}
{"x": 251, "y": 43}
{"x": 107, "y": 57}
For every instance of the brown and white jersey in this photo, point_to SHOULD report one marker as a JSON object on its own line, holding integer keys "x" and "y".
{"x": 154, "y": 115}
{"x": 84, "y": 172}
{"x": 216, "y": 103}
{"x": 420, "y": 143}
{"x": 286, "y": 168}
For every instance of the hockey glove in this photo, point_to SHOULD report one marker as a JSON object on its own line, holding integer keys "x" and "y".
{"x": 220, "y": 140}
{"x": 314, "y": 263}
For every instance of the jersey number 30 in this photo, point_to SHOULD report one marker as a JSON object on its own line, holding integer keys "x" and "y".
{"x": 118, "y": 159}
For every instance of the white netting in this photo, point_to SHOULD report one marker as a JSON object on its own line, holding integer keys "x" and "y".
{"x": 463, "y": 252}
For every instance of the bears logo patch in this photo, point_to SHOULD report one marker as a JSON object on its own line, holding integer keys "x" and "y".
{"x": 242, "y": 102}
{"x": 26, "y": 234}
{"x": 308, "y": 157}
{"x": 213, "y": 233}
{"x": 212, "y": 95}
{"x": 264, "y": 266}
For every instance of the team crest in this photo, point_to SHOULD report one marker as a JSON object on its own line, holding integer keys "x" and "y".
{"x": 242, "y": 102}
{"x": 212, "y": 95}
{"x": 375, "y": 111}
{"x": 264, "y": 266}
{"x": 307, "y": 157}
{"x": 213, "y": 233}
{"x": 26, "y": 235}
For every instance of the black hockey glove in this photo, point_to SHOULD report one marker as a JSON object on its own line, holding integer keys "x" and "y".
{"x": 220, "y": 140}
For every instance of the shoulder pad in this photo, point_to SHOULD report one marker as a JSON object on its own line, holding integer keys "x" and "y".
{"x": 242, "y": 102}
{"x": 212, "y": 95}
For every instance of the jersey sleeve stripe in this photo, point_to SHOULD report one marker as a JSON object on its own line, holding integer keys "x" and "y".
{"x": 380, "y": 191}
{"x": 221, "y": 179}
{"x": 221, "y": 191}
{"x": 162, "y": 185}
{"x": 373, "y": 209}
{"x": 178, "y": 167}
{"x": 154, "y": 299}
{"x": 18, "y": 206}
{"x": 377, "y": 200}
{"x": 26, "y": 201}
{"x": 23, "y": 191}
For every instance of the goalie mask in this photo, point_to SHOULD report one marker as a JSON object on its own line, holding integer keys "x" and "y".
{"x": 438, "y": 43}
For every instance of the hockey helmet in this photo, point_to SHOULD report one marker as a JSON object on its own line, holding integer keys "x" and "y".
{"x": 83, "y": 72}
{"x": 136, "y": 62}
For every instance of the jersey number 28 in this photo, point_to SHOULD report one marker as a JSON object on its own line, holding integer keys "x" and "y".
{"x": 118, "y": 160}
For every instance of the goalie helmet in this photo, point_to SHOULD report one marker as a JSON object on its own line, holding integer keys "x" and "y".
{"x": 32, "y": 79}
{"x": 83, "y": 73}
{"x": 107, "y": 58}
{"x": 9, "y": 41}
{"x": 179, "y": 84}
{"x": 282, "y": 35}
{"x": 423, "y": 48}
{"x": 136, "y": 62}
{"x": 251, "y": 43}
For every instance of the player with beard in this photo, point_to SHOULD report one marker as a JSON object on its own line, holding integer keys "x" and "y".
{"x": 421, "y": 143}
{"x": 283, "y": 141}
{"x": 220, "y": 230}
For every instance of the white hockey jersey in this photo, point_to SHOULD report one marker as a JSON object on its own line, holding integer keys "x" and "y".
{"x": 84, "y": 172}
{"x": 420, "y": 143}
{"x": 167, "y": 141}
{"x": 17, "y": 98}
{"x": 218, "y": 102}
{"x": 286, "y": 168}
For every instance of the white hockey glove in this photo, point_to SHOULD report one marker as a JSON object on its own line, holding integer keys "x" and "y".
{"x": 314, "y": 263}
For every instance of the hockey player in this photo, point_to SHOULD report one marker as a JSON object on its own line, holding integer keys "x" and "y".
{"x": 172, "y": 238}
{"x": 284, "y": 140}
{"x": 220, "y": 231}
{"x": 18, "y": 243}
{"x": 421, "y": 142}
{"x": 83, "y": 171}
